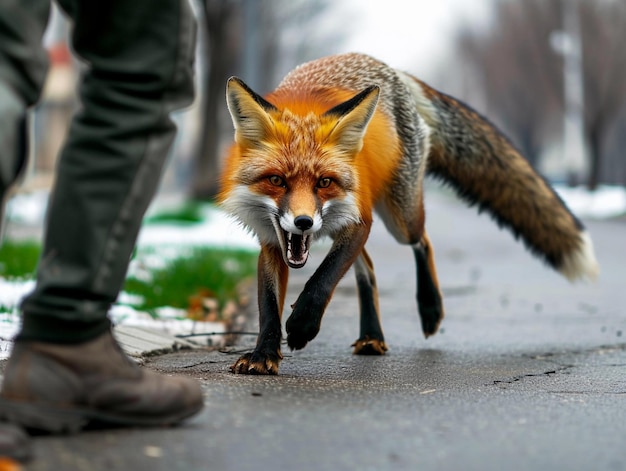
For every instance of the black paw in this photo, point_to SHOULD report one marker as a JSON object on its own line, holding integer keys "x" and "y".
{"x": 257, "y": 363}
{"x": 299, "y": 332}
{"x": 431, "y": 317}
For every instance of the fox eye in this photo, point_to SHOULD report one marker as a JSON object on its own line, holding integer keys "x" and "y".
{"x": 324, "y": 182}
{"x": 276, "y": 180}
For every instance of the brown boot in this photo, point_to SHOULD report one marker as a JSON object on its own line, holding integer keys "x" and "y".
{"x": 14, "y": 445}
{"x": 62, "y": 388}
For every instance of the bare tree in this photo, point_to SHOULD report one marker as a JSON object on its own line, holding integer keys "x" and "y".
{"x": 523, "y": 77}
{"x": 613, "y": 169}
{"x": 306, "y": 29}
{"x": 220, "y": 48}
{"x": 603, "y": 29}
{"x": 518, "y": 70}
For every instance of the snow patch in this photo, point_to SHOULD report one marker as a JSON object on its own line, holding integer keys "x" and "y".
{"x": 605, "y": 202}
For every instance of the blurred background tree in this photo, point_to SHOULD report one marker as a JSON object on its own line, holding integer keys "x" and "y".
{"x": 519, "y": 74}
{"x": 507, "y": 62}
{"x": 603, "y": 28}
{"x": 218, "y": 57}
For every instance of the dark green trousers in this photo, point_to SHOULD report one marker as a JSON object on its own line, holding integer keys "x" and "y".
{"x": 139, "y": 67}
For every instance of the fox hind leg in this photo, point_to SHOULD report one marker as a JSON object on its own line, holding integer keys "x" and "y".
{"x": 371, "y": 340}
{"x": 405, "y": 221}
{"x": 429, "y": 299}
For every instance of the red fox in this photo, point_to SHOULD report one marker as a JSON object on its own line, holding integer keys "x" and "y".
{"x": 347, "y": 135}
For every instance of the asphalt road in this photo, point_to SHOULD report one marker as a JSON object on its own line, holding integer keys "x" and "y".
{"x": 527, "y": 373}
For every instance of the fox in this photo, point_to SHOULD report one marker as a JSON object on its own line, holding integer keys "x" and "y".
{"x": 346, "y": 136}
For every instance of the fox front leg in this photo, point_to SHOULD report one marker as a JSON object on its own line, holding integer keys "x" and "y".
{"x": 273, "y": 275}
{"x": 306, "y": 317}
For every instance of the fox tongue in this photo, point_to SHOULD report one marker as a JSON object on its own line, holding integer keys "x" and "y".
{"x": 297, "y": 249}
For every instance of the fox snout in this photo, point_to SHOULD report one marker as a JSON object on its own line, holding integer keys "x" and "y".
{"x": 303, "y": 222}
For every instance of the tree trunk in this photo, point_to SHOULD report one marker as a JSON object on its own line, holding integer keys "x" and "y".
{"x": 218, "y": 25}
{"x": 595, "y": 150}
{"x": 527, "y": 142}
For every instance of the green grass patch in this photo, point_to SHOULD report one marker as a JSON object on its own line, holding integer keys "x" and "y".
{"x": 216, "y": 272}
{"x": 18, "y": 259}
{"x": 190, "y": 212}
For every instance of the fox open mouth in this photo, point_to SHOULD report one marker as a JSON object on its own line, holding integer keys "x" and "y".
{"x": 295, "y": 248}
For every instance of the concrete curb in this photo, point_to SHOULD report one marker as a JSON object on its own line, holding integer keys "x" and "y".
{"x": 140, "y": 342}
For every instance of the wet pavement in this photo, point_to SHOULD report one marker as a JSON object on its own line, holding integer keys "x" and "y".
{"x": 528, "y": 372}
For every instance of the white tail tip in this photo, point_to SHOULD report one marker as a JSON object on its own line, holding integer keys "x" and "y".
{"x": 582, "y": 263}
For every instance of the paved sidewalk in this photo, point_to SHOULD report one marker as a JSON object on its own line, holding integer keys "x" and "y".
{"x": 527, "y": 373}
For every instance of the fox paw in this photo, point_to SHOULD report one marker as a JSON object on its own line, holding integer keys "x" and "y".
{"x": 257, "y": 363}
{"x": 369, "y": 346}
{"x": 431, "y": 317}
{"x": 300, "y": 333}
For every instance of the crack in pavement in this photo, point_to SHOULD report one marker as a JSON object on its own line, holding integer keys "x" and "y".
{"x": 562, "y": 367}
{"x": 515, "y": 379}
{"x": 587, "y": 392}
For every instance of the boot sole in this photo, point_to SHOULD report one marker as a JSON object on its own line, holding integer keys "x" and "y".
{"x": 16, "y": 445}
{"x": 59, "y": 420}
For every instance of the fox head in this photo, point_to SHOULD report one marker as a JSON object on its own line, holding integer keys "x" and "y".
{"x": 291, "y": 176}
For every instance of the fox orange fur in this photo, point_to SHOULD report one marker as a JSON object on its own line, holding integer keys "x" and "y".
{"x": 344, "y": 136}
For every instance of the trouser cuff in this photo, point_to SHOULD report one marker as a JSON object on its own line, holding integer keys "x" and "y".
{"x": 55, "y": 330}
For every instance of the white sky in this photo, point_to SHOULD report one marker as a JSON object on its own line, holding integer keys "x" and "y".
{"x": 408, "y": 34}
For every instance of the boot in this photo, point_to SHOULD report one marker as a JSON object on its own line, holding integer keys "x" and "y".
{"x": 15, "y": 445}
{"x": 60, "y": 388}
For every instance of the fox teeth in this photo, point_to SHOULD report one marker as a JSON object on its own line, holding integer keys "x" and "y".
{"x": 297, "y": 249}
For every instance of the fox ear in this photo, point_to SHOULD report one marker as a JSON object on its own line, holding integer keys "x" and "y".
{"x": 353, "y": 116}
{"x": 249, "y": 112}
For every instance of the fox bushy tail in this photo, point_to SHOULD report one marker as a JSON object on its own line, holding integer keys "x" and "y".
{"x": 480, "y": 163}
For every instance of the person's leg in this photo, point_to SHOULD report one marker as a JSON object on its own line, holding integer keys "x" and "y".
{"x": 66, "y": 369}
{"x": 23, "y": 68}
{"x": 139, "y": 55}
